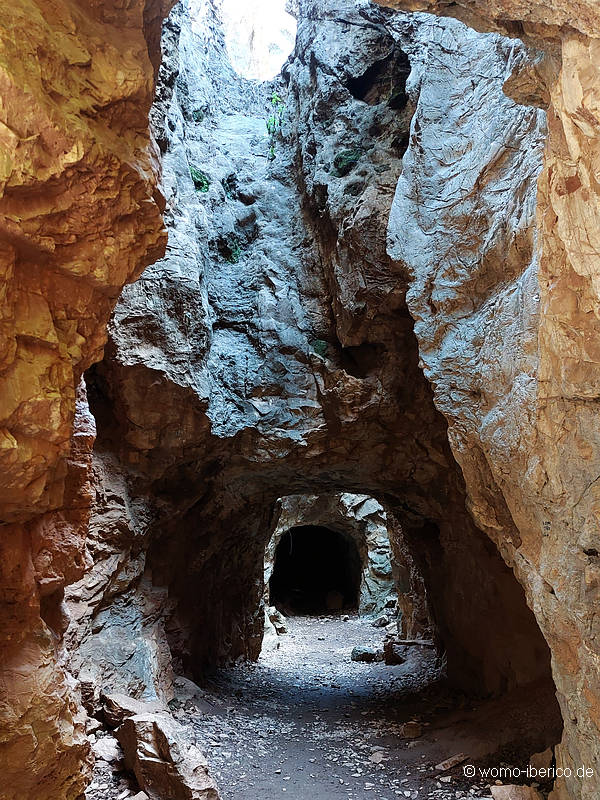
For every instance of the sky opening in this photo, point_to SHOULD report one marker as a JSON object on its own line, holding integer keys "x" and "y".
{"x": 259, "y": 35}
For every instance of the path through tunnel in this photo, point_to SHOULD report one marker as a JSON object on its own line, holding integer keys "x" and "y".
{"x": 317, "y": 570}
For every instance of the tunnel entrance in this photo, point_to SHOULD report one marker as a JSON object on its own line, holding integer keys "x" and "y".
{"x": 317, "y": 570}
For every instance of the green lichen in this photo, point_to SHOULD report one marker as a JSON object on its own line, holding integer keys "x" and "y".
{"x": 201, "y": 179}
{"x": 345, "y": 161}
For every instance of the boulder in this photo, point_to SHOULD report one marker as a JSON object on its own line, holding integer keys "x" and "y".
{"x": 117, "y": 707}
{"x": 393, "y": 653}
{"x": 367, "y": 654}
{"x": 166, "y": 765}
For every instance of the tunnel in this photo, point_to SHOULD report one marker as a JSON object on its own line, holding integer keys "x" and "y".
{"x": 317, "y": 571}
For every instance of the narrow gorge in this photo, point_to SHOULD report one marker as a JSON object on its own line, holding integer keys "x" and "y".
{"x": 298, "y": 383}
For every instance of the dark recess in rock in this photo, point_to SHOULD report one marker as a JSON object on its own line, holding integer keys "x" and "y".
{"x": 383, "y": 81}
{"x": 316, "y": 570}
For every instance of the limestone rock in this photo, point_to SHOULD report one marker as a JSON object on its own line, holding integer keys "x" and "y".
{"x": 118, "y": 707}
{"x": 256, "y": 360}
{"x": 506, "y": 339}
{"x": 515, "y": 793}
{"x": 107, "y": 748}
{"x": 80, "y": 215}
{"x": 277, "y": 619}
{"x": 543, "y": 760}
{"x": 91, "y": 223}
{"x": 165, "y": 764}
{"x": 270, "y": 638}
{"x": 37, "y": 560}
{"x": 365, "y": 520}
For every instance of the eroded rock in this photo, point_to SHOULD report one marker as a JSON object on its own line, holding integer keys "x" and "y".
{"x": 505, "y": 333}
{"x": 165, "y": 764}
{"x": 515, "y": 793}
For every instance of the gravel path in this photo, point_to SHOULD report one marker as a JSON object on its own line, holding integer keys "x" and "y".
{"x": 307, "y": 722}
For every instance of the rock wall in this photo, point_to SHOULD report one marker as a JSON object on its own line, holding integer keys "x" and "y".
{"x": 520, "y": 393}
{"x": 272, "y": 351}
{"x": 279, "y": 348}
{"x": 361, "y": 518}
{"x": 80, "y": 215}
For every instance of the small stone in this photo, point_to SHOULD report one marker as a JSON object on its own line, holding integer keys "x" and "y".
{"x": 411, "y": 730}
{"x": 381, "y": 621}
{"x": 451, "y": 762}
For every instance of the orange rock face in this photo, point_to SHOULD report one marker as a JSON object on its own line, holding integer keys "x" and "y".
{"x": 541, "y": 460}
{"x": 43, "y": 746}
{"x": 80, "y": 216}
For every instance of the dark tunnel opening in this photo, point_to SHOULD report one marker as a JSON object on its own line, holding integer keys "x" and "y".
{"x": 317, "y": 570}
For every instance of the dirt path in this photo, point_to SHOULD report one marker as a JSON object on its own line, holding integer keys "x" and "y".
{"x": 307, "y": 722}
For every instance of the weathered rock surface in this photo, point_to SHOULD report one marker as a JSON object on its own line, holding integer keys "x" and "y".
{"x": 43, "y": 746}
{"x": 515, "y": 793}
{"x": 507, "y": 331}
{"x": 117, "y": 708}
{"x": 165, "y": 764}
{"x": 117, "y": 637}
{"x": 272, "y": 353}
{"x": 79, "y": 217}
{"x": 107, "y": 748}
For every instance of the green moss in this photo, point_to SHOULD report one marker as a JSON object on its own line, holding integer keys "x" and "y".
{"x": 320, "y": 347}
{"x": 230, "y": 248}
{"x": 201, "y": 179}
{"x": 345, "y": 161}
{"x": 230, "y": 185}
{"x": 398, "y": 98}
